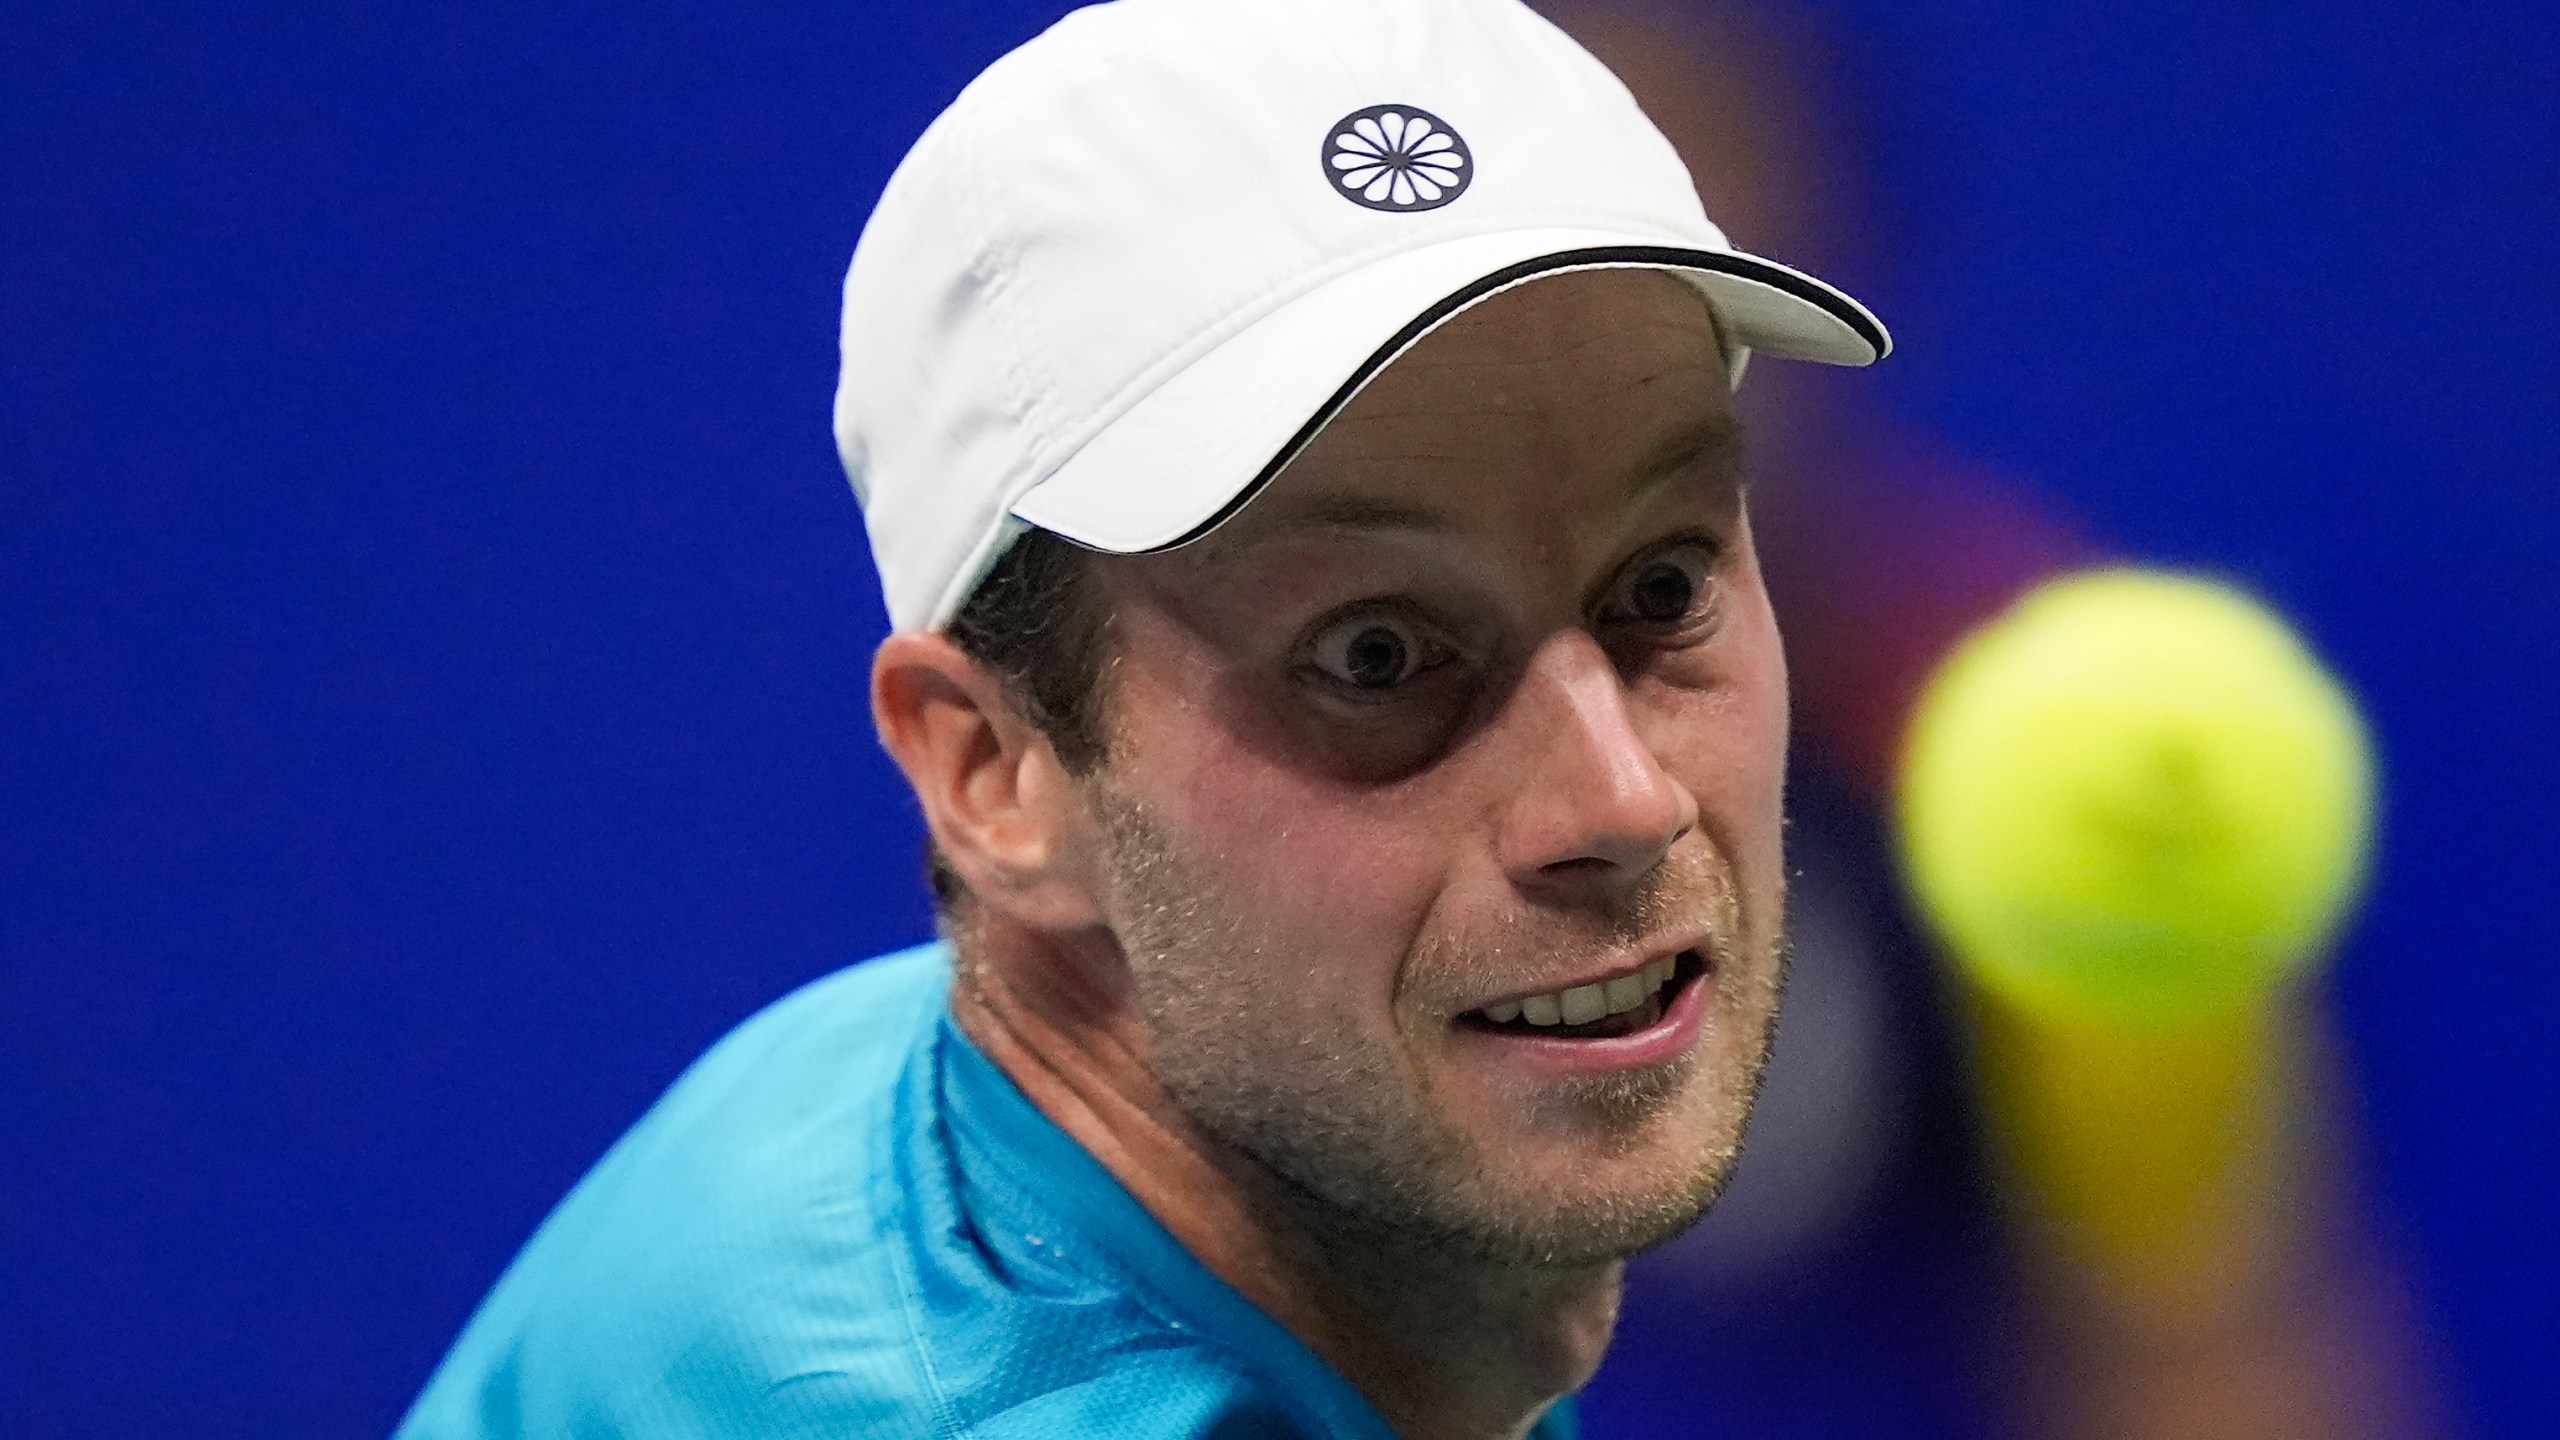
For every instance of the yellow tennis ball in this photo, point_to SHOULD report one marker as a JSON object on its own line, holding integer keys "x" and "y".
{"x": 2135, "y": 797}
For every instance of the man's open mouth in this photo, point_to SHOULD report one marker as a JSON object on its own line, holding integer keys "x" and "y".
{"x": 1621, "y": 1005}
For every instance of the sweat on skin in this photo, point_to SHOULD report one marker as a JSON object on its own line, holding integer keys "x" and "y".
{"x": 1474, "y": 719}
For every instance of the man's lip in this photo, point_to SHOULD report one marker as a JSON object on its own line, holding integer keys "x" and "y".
{"x": 1696, "y": 945}
{"x": 1537, "y": 1053}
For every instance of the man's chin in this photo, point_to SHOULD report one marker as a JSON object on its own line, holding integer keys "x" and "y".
{"x": 1562, "y": 1205}
{"x": 1589, "y": 1229}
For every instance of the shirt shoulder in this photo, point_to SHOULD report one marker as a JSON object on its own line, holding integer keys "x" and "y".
{"x": 740, "y": 1238}
{"x": 785, "y": 1245}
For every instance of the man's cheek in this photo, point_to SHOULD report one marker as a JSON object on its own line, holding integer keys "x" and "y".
{"x": 1729, "y": 748}
{"x": 1335, "y": 880}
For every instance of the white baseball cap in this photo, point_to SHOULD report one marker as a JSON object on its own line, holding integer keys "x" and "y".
{"x": 1144, "y": 258}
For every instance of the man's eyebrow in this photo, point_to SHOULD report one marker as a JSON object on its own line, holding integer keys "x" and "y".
{"x": 1360, "y": 512}
{"x": 1714, "y": 439}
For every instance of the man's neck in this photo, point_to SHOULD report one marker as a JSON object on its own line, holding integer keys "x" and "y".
{"x": 1445, "y": 1348}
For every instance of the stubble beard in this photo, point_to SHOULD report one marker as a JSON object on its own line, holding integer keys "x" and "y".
{"x": 1345, "y": 1128}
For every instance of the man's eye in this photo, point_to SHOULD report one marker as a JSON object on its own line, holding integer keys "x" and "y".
{"x": 1664, "y": 587}
{"x": 1370, "y": 652}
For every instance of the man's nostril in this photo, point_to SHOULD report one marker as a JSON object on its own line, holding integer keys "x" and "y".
{"x": 1579, "y": 865}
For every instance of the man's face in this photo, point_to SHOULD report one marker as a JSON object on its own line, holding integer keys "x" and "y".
{"x": 1478, "y": 704}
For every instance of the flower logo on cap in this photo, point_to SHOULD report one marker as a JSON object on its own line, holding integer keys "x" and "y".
{"x": 1397, "y": 157}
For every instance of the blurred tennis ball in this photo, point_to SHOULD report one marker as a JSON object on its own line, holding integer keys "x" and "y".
{"x": 2135, "y": 797}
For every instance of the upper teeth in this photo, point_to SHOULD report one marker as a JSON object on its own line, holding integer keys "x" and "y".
{"x": 1585, "y": 1003}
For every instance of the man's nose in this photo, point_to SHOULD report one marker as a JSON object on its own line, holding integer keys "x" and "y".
{"x": 1595, "y": 809}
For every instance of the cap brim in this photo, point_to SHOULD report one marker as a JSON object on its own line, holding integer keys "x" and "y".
{"x": 1190, "y": 452}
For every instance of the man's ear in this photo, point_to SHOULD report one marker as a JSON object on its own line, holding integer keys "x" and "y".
{"x": 1004, "y": 811}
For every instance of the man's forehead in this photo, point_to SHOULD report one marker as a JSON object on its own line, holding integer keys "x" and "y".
{"x": 1613, "y": 380}
{"x": 1709, "y": 449}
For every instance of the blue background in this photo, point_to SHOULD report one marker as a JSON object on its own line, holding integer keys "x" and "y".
{"x": 432, "y": 673}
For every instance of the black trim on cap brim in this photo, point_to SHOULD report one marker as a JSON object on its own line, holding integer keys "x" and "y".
{"x": 1665, "y": 257}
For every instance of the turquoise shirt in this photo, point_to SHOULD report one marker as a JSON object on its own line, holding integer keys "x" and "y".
{"x": 844, "y": 1221}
